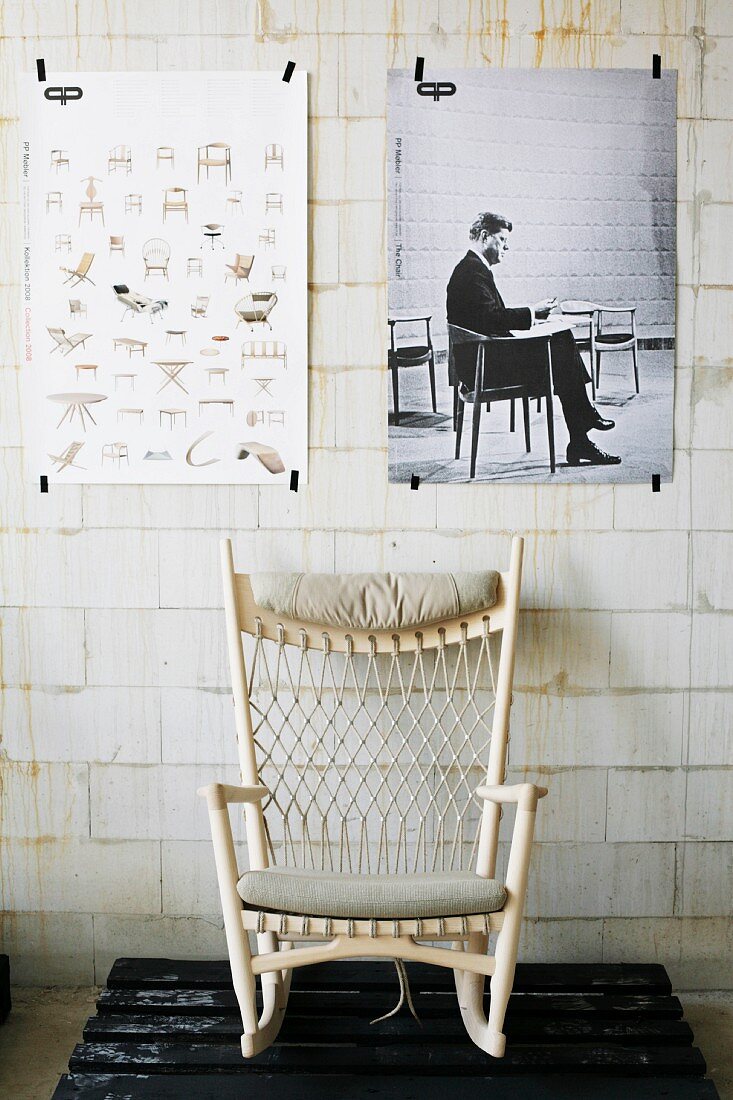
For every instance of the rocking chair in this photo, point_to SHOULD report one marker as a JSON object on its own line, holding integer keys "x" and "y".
{"x": 369, "y": 716}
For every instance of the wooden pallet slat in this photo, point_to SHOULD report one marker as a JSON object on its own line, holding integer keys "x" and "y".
{"x": 310, "y": 1002}
{"x": 649, "y": 978}
{"x": 97, "y": 1086}
{"x": 181, "y": 1057}
{"x": 398, "y": 1029}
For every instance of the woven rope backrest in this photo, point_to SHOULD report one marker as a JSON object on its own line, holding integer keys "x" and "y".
{"x": 371, "y": 759}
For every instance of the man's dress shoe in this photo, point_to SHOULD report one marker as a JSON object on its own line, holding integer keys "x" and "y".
{"x": 599, "y": 424}
{"x": 586, "y": 453}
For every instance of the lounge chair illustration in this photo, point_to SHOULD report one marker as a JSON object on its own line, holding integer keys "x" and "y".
{"x": 138, "y": 303}
{"x": 67, "y": 458}
{"x": 67, "y": 343}
{"x": 80, "y": 274}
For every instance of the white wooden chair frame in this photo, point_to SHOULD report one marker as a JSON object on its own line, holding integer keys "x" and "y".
{"x": 279, "y": 934}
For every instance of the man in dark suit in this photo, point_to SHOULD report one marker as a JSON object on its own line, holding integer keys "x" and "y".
{"x": 473, "y": 302}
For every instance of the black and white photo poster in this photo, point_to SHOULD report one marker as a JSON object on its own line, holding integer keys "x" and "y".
{"x": 531, "y": 269}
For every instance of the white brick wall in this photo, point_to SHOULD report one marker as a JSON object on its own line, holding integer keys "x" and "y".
{"x": 114, "y": 695}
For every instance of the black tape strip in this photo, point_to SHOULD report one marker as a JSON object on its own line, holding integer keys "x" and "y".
{"x": 419, "y": 68}
{"x": 656, "y": 66}
{"x": 414, "y": 482}
{"x": 289, "y": 70}
{"x": 41, "y": 66}
{"x": 656, "y": 483}
{"x": 44, "y": 483}
{"x": 294, "y": 475}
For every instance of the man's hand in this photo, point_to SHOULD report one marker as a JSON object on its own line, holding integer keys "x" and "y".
{"x": 542, "y": 309}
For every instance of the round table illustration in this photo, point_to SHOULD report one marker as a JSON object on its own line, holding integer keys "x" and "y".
{"x": 171, "y": 368}
{"x": 76, "y": 403}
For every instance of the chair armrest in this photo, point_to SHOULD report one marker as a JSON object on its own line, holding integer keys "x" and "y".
{"x": 526, "y": 795}
{"x": 218, "y": 795}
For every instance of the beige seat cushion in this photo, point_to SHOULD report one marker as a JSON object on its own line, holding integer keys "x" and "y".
{"x": 374, "y": 601}
{"x": 384, "y": 897}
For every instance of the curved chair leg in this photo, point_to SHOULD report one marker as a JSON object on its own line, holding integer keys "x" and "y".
{"x": 470, "y": 990}
{"x": 275, "y": 993}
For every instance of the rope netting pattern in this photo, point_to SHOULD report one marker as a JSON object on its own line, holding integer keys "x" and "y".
{"x": 371, "y": 759}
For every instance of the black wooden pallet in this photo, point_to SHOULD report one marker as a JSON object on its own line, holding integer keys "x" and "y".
{"x": 166, "y": 1030}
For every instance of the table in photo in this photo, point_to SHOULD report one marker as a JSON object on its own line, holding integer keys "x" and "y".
{"x": 257, "y": 416}
{"x": 220, "y": 372}
{"x": 263, "y": 385}
{"x": 171, "y": 368}
{"x": 204, "y": 401}
{"x": 172, "y": 415}
{"x": 76, "y": 403}
{"x": 170, "y": 332}
{"x": 122, "y": 413}
{"x": 86, "y": 366}
{"x": 129, "y": 343}
{"x": 128, "y": 378}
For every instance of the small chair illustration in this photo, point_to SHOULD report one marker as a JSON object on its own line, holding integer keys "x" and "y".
{"x": 59, "y": 159}
{"x": 240, "y": 269}
{"x": 217, "y": 154}
{"x": 165, "y": 154}
{"x": 123, "y": 413}
{"x": 174, "y": 198}
{"x": 265, "y": 349}
{"x": 77, "y": 308}
{"x": 67, "y": 343}
{"x": 54, "y": 199}
{"x": 212, "y": 230}
{"x": 172, "y": 415}
{"x": 275, "y": 416}
{"x": 117, "y": 244}
{"x": 156, "y": 254}
{"x": 199, "y": 307}
{"x": 274, "y": 155}
{"x": 138, "y": 303}
{"x": 273, "y": 201}
{"x": 91, "y": 207}
{"x": 80, "y": 274}
{"x": 234, "y": 202}
{"x": 67, "y": 458}
{"x": 116, "y": 452}
{"x": 133, "y": 204}
{"x": 62, "y": 242}
{"x": 120, "y": 157}
{"x": 194, "y": 266}
{"x": 255, "y": 308}
{"x": 267, "y": 238}
{"x": 279, "y": 271}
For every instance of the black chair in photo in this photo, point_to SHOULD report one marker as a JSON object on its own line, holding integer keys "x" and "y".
{"x": 410, "y": 356}
{"x": 613, "y": 340}
{"x": 500, "y": 375}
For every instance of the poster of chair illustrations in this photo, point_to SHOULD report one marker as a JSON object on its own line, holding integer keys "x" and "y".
{"x": 531, "y": 267}
{"x": 165, "y": 281}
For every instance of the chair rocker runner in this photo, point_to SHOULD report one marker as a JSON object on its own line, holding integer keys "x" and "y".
{"x": 365, "y": 722}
